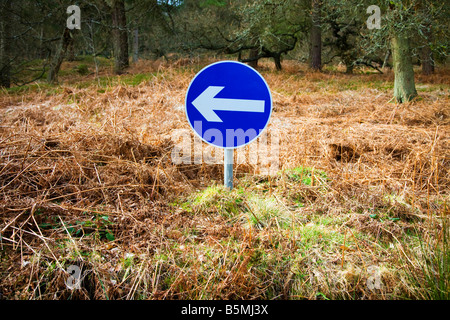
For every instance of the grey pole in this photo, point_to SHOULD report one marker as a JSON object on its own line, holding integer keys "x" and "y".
{"x": 228, "y": 168}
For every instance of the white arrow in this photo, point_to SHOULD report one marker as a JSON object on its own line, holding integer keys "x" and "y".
{"x": 206, "y": 103}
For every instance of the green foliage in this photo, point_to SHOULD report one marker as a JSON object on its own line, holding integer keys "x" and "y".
{"x": 95, "y": 224}
{"x": 82, "y": 69}
{"x": 136, "y": 79}
{"x": 217, "y": 3}
{"x": 307, "y": 175}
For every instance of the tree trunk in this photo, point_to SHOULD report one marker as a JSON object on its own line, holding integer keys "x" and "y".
{"x": 386, "y": 59}
{"x": 404, "y": 86}
{"x": 253, "y": 55}
{"x": 120, "y": 36}
{"x": 43, "y": 51}
{"x": 277, "y": 60}
{"x": 427, "y": 54}
{"x": 349, "y": 68}
{"x": 71, "y": 51}
{"x": 316, "y": 37}
{"x": 135, "y": 45}
{"x": 58, "y": 58}
{"x": 5, "y": 44}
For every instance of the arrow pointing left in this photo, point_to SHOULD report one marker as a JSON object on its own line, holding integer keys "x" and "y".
{"x": 207, "y": 102}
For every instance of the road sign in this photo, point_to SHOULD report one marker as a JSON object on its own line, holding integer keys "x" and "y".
{"x": 228, "y": 104}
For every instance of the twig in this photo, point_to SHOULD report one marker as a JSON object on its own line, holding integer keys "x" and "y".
{"x": 21, "y": 172}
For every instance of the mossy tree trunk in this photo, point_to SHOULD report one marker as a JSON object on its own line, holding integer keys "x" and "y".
{"x": 404, "y": 86}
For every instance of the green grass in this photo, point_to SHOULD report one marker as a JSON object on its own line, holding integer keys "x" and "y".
{"x": 319, "y": 234}
{"x": 428, "y": 268}
{"x": 90, "y": 60}
{"x": 267, "y": 211}
{"x": 40, "y": 86}
{"x": 307, "y": 175}
{"x": 217, "y": 199}
{"x": 84, "y": 66}
{"x": 105, "y": 82}
{"x": 138, "y": 78}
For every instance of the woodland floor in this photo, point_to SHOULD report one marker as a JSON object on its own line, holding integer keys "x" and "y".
{"x": 357, "y": 208}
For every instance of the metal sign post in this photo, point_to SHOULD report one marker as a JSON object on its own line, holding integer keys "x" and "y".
{"x": 228, "y": 168}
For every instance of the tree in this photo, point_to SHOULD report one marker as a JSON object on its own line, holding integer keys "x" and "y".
{"x": 162, "y": 26}
{"x": 427, "y": 54}
{"x": 135, "y": 45}
{"x": 5, "y": 44}
{"x": 406, "y": 26}
{"x": 253, "y": 57}
{"x": 30, "y": 28}
{"x": 402, "y": 21}
{"x": 404, "y": 85}
{"x": 65, "y": 43}
{"x": 264, "y": 29}
{"x": 343, "y": 38}
{"x": 274, "y": 28}
{"x": 316, "y": 35}
{"x": 119, "y": 36}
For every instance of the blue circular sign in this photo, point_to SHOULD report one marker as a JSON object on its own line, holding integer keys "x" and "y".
{"x": 228, "y": 104}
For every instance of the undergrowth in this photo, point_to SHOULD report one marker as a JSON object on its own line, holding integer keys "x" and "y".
{"x": 357, "y": 207}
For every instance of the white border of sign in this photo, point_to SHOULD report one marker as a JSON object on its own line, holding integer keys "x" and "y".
{"x": 270, "y": 95}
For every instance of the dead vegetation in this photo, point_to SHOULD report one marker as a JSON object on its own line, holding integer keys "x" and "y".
{"x": 361, "y": 194}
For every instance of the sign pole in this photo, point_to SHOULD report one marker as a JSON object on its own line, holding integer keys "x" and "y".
{"x": 228, "y": 105}
{"x": 228, "y": 168}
